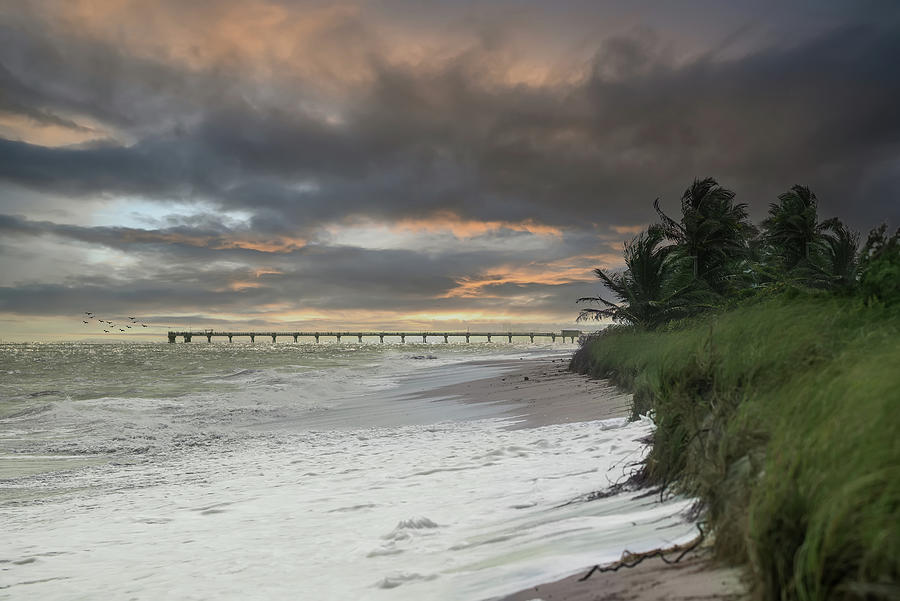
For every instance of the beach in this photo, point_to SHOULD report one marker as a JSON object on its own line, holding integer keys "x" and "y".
{"x": 545, "y": 392}
{"x": 539, "y": 392}
{"x": 218, "y": 471}
{"x": 696, "y": 577}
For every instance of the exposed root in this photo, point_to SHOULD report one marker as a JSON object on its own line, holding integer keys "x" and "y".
{"x": 630, "y": 560}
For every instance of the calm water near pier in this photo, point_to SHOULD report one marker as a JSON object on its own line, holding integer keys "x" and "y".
{"x": 296, "y": 471}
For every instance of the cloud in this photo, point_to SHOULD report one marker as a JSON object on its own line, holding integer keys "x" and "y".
{"x": 460, "y": 158}
{"x": 215, "y": 237}
{"x": 175, "y": 269}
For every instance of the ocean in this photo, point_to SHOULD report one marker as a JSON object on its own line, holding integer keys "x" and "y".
{"x": 300, "y": 471}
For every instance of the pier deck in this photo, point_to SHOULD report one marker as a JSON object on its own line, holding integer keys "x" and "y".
{"x": 187, "y": 336}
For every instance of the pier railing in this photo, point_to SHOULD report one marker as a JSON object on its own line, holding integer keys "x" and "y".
{"x": 187, "y": 336}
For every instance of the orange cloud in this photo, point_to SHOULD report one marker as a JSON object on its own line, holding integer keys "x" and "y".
{"x": 263, "y": 37}
{"x": 282, "y": 244}
{"x": 628, "y": 229}
{"x": 332, "y": 43}
{"x": 447, "y": 221}
{"x": 239, "y": 285}
{"x": 551, "y": 273}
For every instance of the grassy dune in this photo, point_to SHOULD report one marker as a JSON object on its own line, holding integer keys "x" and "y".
{"x": 783, "y": 416}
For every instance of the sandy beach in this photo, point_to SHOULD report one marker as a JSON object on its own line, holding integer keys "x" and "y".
{"x": 541, "y": 392}
{"x": 695, "y": 578}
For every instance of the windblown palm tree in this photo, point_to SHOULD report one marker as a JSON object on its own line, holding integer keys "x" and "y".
{"x": 842, "y": 256}
{"x": 640, "y": 287}
{"x": 792, "y": 228}
{"x": 713, "y": 233}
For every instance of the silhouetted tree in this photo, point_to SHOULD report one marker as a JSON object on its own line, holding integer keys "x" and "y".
{"x": 647, "y": 291}
{"x": 713, "y": 233}
{"x": 841, "y": 255}
{"x": 792, "y": 229}
{"x": 639, "y": 288}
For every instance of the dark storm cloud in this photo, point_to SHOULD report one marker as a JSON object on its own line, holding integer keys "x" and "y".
{"x": 448, "y": 138}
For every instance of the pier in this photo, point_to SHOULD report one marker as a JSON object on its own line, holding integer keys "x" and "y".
{"x": 358, "y": 336}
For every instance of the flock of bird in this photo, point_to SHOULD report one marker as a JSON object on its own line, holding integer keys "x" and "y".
{"x": 133, "y": 322}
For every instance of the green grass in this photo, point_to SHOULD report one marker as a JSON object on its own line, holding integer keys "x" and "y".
{"x": 783, "y": 416}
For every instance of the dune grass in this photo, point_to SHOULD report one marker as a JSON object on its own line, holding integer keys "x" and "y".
{"x": 783, "y": 416}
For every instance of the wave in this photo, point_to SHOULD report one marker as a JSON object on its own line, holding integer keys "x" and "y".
{"x": 396, "y": 580}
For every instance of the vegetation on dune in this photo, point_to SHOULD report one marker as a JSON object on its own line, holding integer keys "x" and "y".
{"x": 770, "y": 367}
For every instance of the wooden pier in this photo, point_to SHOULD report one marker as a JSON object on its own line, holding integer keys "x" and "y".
{"x": 209, "y": 334}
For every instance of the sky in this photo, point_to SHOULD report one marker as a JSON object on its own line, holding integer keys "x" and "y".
{"x": 434, "y": 164}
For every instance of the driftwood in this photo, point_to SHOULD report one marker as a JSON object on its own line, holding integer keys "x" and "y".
{"x": 630, "y": 560}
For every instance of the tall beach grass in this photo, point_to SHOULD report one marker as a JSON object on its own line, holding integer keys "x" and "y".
{"x": 782, "y": 415}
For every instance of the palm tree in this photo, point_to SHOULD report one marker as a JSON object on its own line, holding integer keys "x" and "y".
{"x": 792, "y": 229}
{"x": 712, "y": 234}
{"x": 639, "y": 288}
{"x": 842, "y": 257}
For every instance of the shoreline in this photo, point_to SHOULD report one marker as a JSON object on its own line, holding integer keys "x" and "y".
{"x": 696, "y": 578}
{"x": 541, "y": 392}
{"x": 537, "y": 392}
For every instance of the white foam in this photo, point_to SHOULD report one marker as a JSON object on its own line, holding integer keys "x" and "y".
{"x": 411, "y": 513}
{"x": 233, "y": 504}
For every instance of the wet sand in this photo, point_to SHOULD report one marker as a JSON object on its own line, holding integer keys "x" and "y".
{"x": 539, "y": 392}
{"x": 694, "y": 578}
